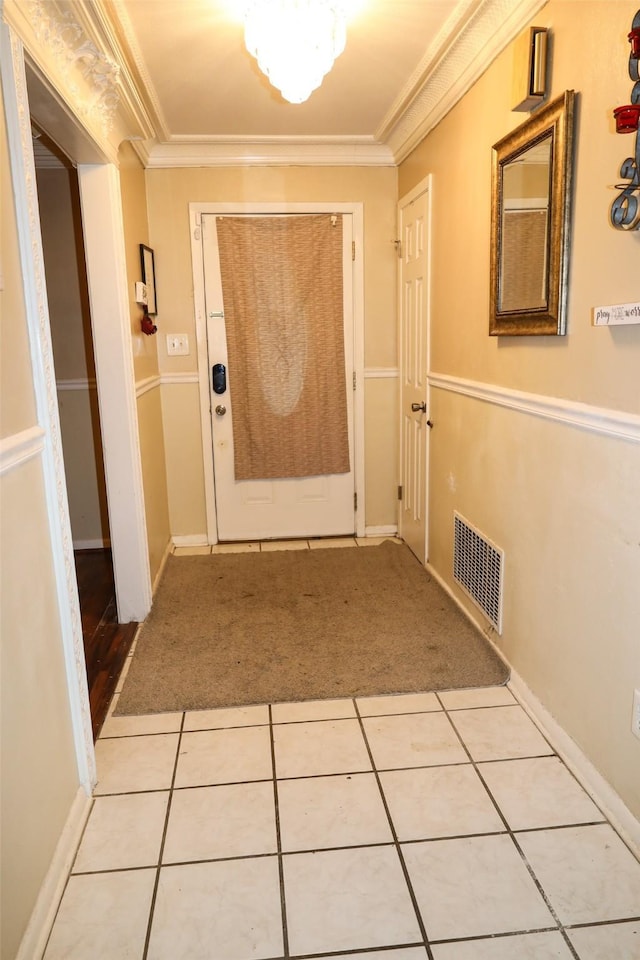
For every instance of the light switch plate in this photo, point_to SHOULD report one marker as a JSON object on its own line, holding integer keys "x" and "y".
{"x": 177, "y": 345}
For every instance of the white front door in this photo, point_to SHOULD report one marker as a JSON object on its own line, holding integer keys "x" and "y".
{"x": 264, "y": 509}
{"x": 413, "y": 215}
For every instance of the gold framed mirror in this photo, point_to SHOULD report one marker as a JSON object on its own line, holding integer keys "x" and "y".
{"x": 531, "y": 187}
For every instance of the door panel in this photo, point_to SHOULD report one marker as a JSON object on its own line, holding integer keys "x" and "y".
{"x": 263, "y": 509}
{"x": 414, "y": 233}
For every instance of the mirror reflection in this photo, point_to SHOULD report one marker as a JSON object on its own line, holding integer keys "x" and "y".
{"x": 530, "y": 223}
{"x": 525, "y": 228}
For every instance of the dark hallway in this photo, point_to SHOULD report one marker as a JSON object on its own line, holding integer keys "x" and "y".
{"x": 106, "y": 642}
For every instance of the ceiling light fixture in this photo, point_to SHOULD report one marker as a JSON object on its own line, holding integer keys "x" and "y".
{"x": 295, "y": 42}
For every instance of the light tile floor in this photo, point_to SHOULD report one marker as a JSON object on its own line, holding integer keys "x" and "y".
{"x": 268, "y": 546}
{"x": 416, "y": 827}
{"x": 419, "y": 827}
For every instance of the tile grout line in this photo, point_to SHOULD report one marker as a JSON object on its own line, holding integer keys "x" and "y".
{"x": 511, "y": 835}
{"x": 569, "y": 770}
{"x": 152, "y": 906}
{"x": 396, "y": 842}
{"x": 476, "y": 765}
{"x": 283, "y": 902}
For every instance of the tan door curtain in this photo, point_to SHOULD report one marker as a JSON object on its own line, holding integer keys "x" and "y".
{"x": 524, "y": 264}
{"x": 283, "y": 307}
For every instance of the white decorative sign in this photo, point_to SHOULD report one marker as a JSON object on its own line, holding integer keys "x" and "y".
{"x": 618, "y": 314}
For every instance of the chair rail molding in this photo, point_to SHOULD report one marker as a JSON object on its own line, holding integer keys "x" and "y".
{"x": 149, "y": 383}
{"x": 21, "y": 447}
{"x": 583, "y": 416}
{"x": 381, "y": 373}
{"x": 177, "y": 378}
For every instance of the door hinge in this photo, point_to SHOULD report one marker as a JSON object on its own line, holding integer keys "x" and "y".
{"x": 353, "y": 249}
{"x": 400, "y": 493}
{"x": 398, "y": 244}
{"x": 355, "y": 501}
{"x": 354, "y": 379}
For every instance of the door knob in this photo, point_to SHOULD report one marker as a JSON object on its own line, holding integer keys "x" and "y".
{"x": 419, "y": 407}
{"x": 221, "y": 410}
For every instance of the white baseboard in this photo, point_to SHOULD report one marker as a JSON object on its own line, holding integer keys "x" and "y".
{"x": 191, "y": 540}
{"x": 35, "y": 937}
{"x": 601, "y": 792}
{"x": 98, "y": 544}
{"x": 390, "y": 531}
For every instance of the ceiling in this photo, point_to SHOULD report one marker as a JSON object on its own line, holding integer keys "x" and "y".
{"x": 205, "y": 94}
{"x": 204, "y": 83}
{"x": 195, "y": 97}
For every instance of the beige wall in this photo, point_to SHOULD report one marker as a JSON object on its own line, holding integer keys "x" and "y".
{"x": 84, "y": 470}
{"x": 561, "y": 501}
{"x": 38, "y": 774}
{"x": 169, "y": 193}
{"x": 17, "y": 411}
{"x": 136, "y": 231}
{"x": 154, "y": 478}
{"x": 61, "y": 226}
{"x": 145, "y": 359}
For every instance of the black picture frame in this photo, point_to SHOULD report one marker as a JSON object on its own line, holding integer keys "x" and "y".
{"x": 148, "y": 265}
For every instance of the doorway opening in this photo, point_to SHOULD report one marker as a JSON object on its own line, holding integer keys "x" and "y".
{"x": 106, "y": 641}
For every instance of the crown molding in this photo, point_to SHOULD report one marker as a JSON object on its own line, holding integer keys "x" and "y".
{"x": 125, "y": 40}
{"x": 461, "y": 52}
{"x": 436, "y": 50}
{"x": 488, "y": 28}
{"x": 86, "y": 52}
{"x": 257, "y": 151}
{"x": 104, "y": 32}
{"x": 74, "y": 52}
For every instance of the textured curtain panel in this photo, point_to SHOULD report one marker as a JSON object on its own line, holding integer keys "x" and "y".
{"x": 282, "y": 293}
{"x": 524, "y": 265}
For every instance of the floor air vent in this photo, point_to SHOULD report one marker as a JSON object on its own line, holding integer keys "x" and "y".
{"x": 477, "y": 567}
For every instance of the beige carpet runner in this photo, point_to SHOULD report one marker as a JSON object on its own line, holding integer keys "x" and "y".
{"x": 237, "y": 629}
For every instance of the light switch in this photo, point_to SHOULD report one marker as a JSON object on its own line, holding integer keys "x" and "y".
{"x": 177, "y": 345}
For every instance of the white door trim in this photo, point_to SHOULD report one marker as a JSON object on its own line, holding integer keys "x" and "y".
{"x": 104, "y": 237}
{"x": 424, "y": 186}
{"x": 103, "y": 230}
{"x": 248, "y": 209}
{"x": 23, "y": 177}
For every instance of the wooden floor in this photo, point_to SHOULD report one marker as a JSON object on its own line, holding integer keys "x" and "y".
{"x": 106, "y": 642}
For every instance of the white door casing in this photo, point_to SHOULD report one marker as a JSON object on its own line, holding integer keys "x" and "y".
{"x": 106, "y": 275}
{"x": 413, "y": 311}
{"x": 286, "y": 508}
{"x": 103, "y": 232}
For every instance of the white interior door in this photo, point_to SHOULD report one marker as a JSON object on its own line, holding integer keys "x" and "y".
{"x": 267, "y": 509}
{"x": 413, "y": 214}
